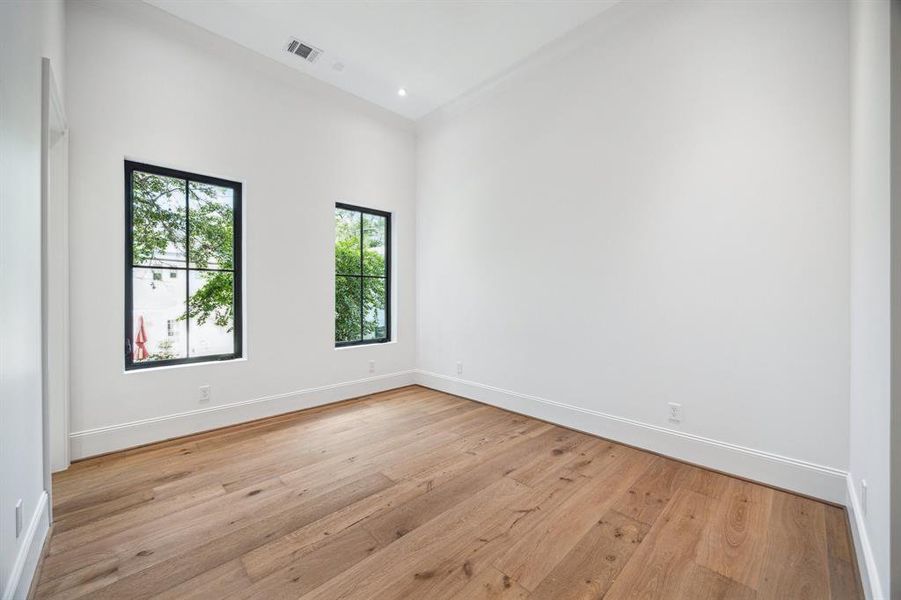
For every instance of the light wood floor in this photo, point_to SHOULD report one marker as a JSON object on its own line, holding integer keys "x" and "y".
{"x": 417, "y": 494}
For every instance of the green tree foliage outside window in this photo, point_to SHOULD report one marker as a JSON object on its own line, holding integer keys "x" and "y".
{"x": 361, "y": 276}
{"x": 158, "y": 228}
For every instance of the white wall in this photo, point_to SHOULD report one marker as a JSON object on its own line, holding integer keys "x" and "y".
{"x": 870, "y": 409}
{"x": 28, "y": 32}
{"x": 147, "y": 86}
{"x": 656, "y": 214}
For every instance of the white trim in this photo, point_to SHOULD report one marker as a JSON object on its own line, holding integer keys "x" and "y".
{"x": 183, "y": 366}
{"x": 100, "y": 440}
{"x": 784, "y": 472}
{"x": 366, "y": 346}
{"x": 866, "y": 561}
{"x": 54, "y": 276}
{"x": 29, "y": 553}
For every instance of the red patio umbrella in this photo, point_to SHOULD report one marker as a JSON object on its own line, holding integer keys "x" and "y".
{"x": 141, "y": 342}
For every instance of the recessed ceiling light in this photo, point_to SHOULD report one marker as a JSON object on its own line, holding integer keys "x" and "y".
{"x": 401, "y": 92}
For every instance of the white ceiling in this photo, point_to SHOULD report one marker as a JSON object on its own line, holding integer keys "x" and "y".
{"x": 436, "y": 49}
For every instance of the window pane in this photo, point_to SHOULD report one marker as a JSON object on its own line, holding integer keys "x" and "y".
{"x": 211, "y": 308}
{"x": 158, "y": 220}
{"x": 158, "y": 305}
{"x": 347, "y": 242}
{"x": 211, "y": 226}
{"x": 374, "y": 236}
{"x": 374, "y": 305}
{"x": 347, "y": 308}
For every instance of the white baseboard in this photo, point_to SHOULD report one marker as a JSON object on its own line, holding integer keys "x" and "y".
{"x": 92, "y": 442}
{"x": 869, "y": 574}
{"x": 29, "y": 553}
{"x": 787, "y": 473}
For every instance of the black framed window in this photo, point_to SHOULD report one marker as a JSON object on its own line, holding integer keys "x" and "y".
{"x": 182, "y": 267}
{"x": 362, "y": 275}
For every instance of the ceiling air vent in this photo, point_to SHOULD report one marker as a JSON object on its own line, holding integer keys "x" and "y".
{"x": 305, "y": 51}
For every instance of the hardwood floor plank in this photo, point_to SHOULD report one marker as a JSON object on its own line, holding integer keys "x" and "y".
{"x": 384, "y": 452}
{"x": 148, "y": 542}
{"x": 796, "y": 562}
{"x": 591, "y": 567}
{"x": 567, "y": 444}
{"x": 844, "y": 581}
{"x": 473, "y": 447}
{"x": 99, "y": 510}
{"x": 228, "y": 578}
{"x": 107, "y": 526}
{"x": 400, "y": 559}
{"x": 701, "y": 583}
{"x": 214, "y": 552}
{"x": 535, "y": 554}
{"x": 406, "y": 518}
{"x": 413, "y": 493}
{"x": 665, "y": 558}
{"x": 651, "y": 493}
{"x": 593, "y": 458}
{"x": 450, "y": 567}
{"x": 312, "y": 566}
{"x": 734, "y": 541}
{"x": 702, "y": 481}
{"x": 283, "y": 551}
{"x": 98, "y": 574}
{"x": 491, "y": 584}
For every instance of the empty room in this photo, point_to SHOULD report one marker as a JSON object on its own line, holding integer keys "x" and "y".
{"x": 450, "y": 299}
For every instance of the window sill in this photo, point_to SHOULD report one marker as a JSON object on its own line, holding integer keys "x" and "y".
{"x": 373, "y": 345}
{"x": 184, "y": 366}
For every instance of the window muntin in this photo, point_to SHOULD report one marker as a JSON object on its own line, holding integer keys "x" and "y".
{"x": 362, "y": 275}
{"x": 189, "y": 226}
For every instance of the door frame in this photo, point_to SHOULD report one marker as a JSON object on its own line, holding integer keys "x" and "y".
{"x": 54, "y": 279}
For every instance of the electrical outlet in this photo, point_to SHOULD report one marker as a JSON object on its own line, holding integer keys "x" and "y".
{"x": 675, "y": 412}
{"x": 863, "y": 496}
{"x": 205, "y": 393}
{"x": 459, "y": 367}
{"x": 372, "y": 366}
{"x": 19, "y": 517}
